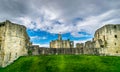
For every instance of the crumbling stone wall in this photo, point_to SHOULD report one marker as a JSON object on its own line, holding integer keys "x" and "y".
{"x": 13, "y": 42}
{"x": 79, "y": 45}
{"x": 2, "y": 37}
{"x": 106, "y": 41}
{"x": 108, "y": 38}
{"x": 35, "y": 50}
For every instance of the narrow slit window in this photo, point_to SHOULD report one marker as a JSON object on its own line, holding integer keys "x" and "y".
{"x": 116, "y": 51}
{"x": 0, "y": 46}
{"x": 115, "y": 26}
{"x": 115, "y": 36}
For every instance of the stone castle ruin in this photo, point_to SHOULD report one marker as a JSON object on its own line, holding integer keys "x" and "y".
{"x": 13, "y": 42}
{"x": 106, "y": 41}
{"x": 107, "y": 38}
{"x": 58, "y": 46}
{"x": 59, "y": 43}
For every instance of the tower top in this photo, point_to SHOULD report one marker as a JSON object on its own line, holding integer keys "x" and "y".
{"x": 59, "y": 36}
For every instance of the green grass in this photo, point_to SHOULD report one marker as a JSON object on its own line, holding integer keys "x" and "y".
{"x": 64, "y": 63}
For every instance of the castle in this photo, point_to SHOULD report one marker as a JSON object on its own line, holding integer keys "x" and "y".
{"x": 107, "y": 40}
{"x": 15, "y": 42}
{"x": 59, "y": 43}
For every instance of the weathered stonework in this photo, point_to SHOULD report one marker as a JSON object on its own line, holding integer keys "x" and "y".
{"x": 106, "y": 41}
{"x": 108, "y": 38}
{"x": 79, "y": 45}
{"x": 35, "y": 50}
{"x": 59, "y": 43}
{"x": 13, "y": 42}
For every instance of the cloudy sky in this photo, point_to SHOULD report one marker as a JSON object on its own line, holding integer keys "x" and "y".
{"x": 75, "y": 19}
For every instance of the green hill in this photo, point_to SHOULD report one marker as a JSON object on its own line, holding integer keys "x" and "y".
{"x": 64, "y": 63}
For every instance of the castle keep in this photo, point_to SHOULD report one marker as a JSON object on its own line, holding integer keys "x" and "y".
{"x": 59, "y": 43}
{"x": 13, "y": 42}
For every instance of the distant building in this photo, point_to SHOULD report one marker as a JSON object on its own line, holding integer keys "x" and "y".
{"x": 13, "y": 42}
{"x": 59, "y": 43}
{"x": 79, "y": 45}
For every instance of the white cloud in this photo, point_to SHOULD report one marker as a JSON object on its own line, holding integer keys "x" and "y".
{"x": 37, "y": 38}
{"x": 41, "y": 14}
{"x": 89, "y": 24}
{"x": 76, "y": 34}
{"x": 92, "y": 23}
{"x": 42, "y": 45}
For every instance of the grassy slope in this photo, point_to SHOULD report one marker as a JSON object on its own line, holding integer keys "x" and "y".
{"x": 64, "y": 63}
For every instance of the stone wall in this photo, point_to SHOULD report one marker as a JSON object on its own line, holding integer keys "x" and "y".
{"x": 79, "y": 45}
{"x": 13, "y": 42}
{"x": 36, "y": 50}
{"x": 2, "y": 37}
{"x": 108, "y": 38}
{"x": 106, "y": 41}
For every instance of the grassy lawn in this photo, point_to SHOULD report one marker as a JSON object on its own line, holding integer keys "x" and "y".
{"x": 64, "y": 63}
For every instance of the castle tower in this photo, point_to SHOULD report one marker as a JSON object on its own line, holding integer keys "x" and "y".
{"x": 59, "y": 43}
{"x": 59, "y": 36}
{"x": 13, "y": 42}
{"x": 108, "y": 39}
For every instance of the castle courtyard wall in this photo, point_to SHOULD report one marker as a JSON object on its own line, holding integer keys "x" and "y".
{"x": 14, "y": 43}
{"x": 110, "y": 37}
